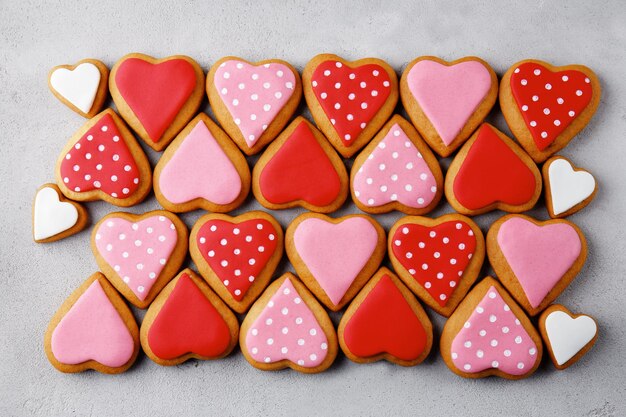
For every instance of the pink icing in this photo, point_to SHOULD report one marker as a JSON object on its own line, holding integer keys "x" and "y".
{"x": 538, "y": 255}
{"x": 287, "y": 329}
{"x": 395, "y": 171}
{"x": 92, "y": 329}
{"x": 493, "y": 338}
{"x": 137, "y": 251}
{"x": 335, "y": 253}
{"x": 200, "y": 169}
{"x": 449, "y": 95}
{"x": 254, "y": 95}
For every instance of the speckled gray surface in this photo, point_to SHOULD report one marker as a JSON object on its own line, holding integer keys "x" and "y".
{"x": 34, "y": 126}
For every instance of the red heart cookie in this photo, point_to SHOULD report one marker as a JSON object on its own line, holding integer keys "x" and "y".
{"x": 350, "y": 101}
{"x": 385, "y": 321}
{"x": 438, "y": 259}
{"x": 300, "y": 168}
{"x": 237, "y": 255}
{"x": 188, "y": 320}
{"x": 491, "y": 172}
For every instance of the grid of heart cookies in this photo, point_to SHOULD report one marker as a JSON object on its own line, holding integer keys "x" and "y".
{"x": 496, "y": 326}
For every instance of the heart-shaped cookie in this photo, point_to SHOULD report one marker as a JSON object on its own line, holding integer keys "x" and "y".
{"x": 438, "y": 259}
{"x": 103, "y": 161}
{"x": 139, "y": 254}
{"x": 385, "y": 321}
{"x": 491, "y": 172}
{"x": 287, "y": 328}
{"x": 396, "y": 170}
{"x": 237, "y": 255}
{"x": 201, "y": 168}
{"x": 156, "y": 97}
{"x": 82, "y": 87}
{"x": 535, "y": 260}
{"x": 350, "y": 101}
{"x": 568, "y": 189}
{"x": 300, "y": 168}
{"x": 54, "y": 216}
{"x": 187, "y": 320}
{"x": 489, "y": 334}
{"x": 253, "y": 101}
{"x": 93, "y": 329}
{"x": 447, "y": 101}
{"x": 546, "y": 106}
{"x": 335, "y": 257}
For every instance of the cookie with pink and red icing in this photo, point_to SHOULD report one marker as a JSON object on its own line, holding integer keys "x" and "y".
{"x": 237, "y": 255}
{"x": 156, "y": 97}
{"x": 447, "y": 101}
{"x": 201, "y": 169}
{"x": 335, "y": 257}
{"x": 139, "y": 254}
{"x": 93, "y": 329}
{"x": 568, "y": 189}
{"x": 83, "y": 87}
{"x": 103, "y": 161}
{"x": 535, "y": 260}
{"x": 349, "y": 100}
{"x": 438, "y": 259}
{"x": 54, "y": 216}
{"x": 253, "y": 101}
{"x": 489, "y": 334}
{"x": 287, "y": 328}
{"x": 546, "y": 106}
{"x": 396, "y": 171}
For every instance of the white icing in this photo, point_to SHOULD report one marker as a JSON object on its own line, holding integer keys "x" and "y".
{"x": 568, "y": 187}
{"x": 78, "y": 86}
{"x": 568, "y": 336}
{"x": 52, "y": 216}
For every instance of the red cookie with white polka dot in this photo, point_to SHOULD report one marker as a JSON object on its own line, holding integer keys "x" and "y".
{"x": 546, "y": 106}
{"x": 350, "y": 101}
{"x": 103, "y": 161}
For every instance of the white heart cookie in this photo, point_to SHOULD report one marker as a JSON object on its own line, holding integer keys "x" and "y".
{"x": 78, "y": 86}
{"x": 567, "y": 335}
{"x": 52, "y": 216}
{"x": 568, "y": 187}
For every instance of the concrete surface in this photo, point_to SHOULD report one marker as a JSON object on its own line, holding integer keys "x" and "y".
{"x": 34, "y": 126}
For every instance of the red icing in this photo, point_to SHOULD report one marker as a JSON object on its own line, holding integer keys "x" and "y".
{"x": 492, "y": 172}
{"x": 435, "y": 256}
{"x": 549, "y": 101}
{"x": 360, "y": 92}
{"x": 155, "y": 92}
{"x": 101, "y": 160}
{"x": 300, "y": 170}
{"x": 237, "y": 252}
{"x": 385, "y": 323}
{"x": 188, "y": 323}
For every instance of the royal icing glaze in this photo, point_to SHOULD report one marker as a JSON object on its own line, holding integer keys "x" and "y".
{"x": 384, "y": 322}
{"x": 493, "y": 338}
{"x": 155, "y": 92}
{"x": 237, "y": 252}
{"x": 350, "y": 97}
{"x": 539, "y": 256}
{"x": 188, "y": 323}
{"x": 492, "y": 172}
{"x": 567, "y": 186}
{"x": 254, "y": 95}
{"x": 567, "y": 335}
{"x": 78, "y": 86}
{"x": 137, "y": 251}
{"x": 335, "y": 253}
{"x": 395, "y": 171}
{"x": 200, "y": 169}
{"x": 300, "y": 170}
{"x": 52, "y": 216}
{"x": 100, "y": 160}
{"x": 92, "y": 329}
{"x": 435, "y": 256}
{"x": 549, "y": 101}
{"x": 449, "y": 95}
{"x": 287, "y": 329}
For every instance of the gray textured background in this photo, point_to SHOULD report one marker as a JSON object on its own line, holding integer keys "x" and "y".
{"x": 34, "y": 126}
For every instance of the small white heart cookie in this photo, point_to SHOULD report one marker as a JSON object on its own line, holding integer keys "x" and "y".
{"x": 568, "y": 188}
{"x": 55, "y": 217}
{"x": 82, "y": 87}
